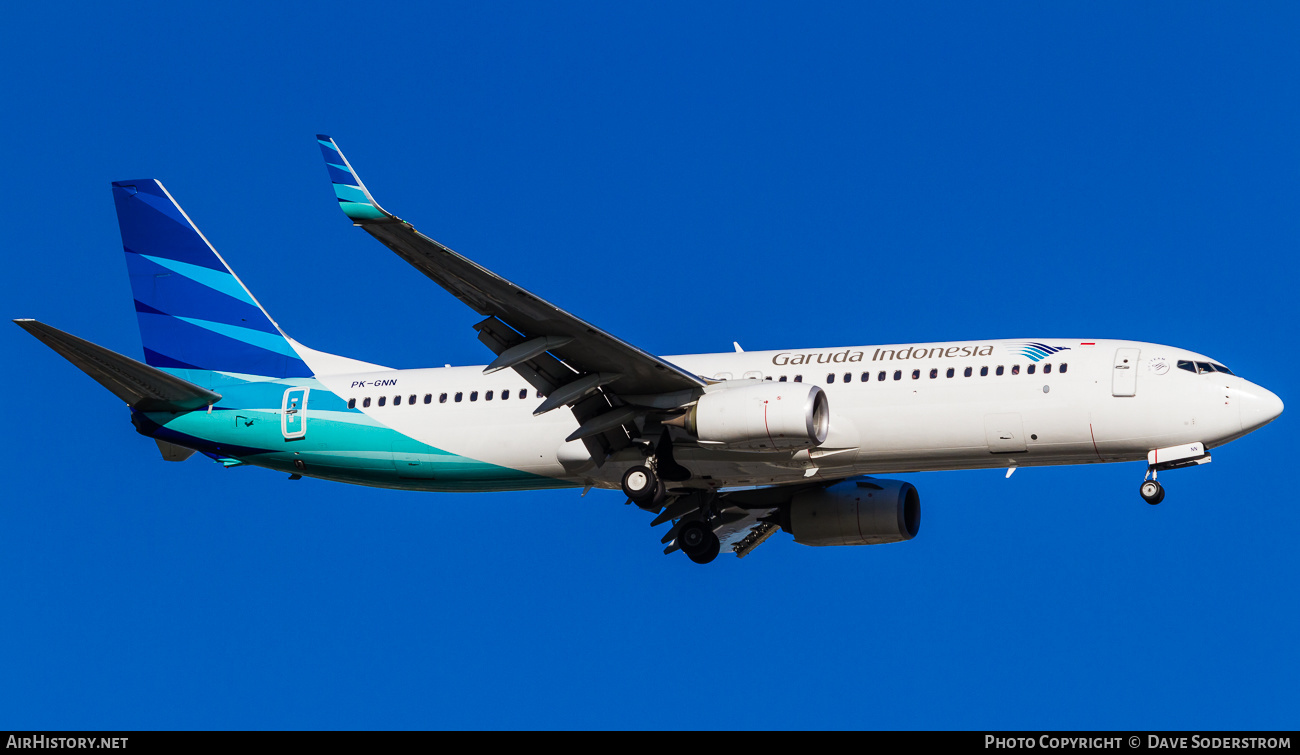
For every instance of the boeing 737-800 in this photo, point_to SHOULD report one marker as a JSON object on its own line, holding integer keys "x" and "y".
{"x": 726, "y": 448}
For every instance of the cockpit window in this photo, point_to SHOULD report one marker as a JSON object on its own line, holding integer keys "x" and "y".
{"x": 1203, "y": 368}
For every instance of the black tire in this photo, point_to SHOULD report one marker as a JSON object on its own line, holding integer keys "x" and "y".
{"x": 1152, "y": 492}
{"x": 640, "y": 484}
{"x": 693, "y": 537}
{"x": 711, "y": 551}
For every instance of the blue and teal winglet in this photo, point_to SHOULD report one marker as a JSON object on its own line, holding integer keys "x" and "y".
{"x": 354, "y": 199}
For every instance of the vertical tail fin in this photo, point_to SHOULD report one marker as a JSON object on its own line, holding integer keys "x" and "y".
{"x": 194, "y": 313}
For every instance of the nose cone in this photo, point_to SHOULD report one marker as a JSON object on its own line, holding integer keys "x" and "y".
{"x": 1259, "y": 406}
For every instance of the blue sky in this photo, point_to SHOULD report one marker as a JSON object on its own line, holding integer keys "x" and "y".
{"x": 683, "y": 175}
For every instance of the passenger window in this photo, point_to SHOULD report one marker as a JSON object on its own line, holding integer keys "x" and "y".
{"x": 487, "y": 396}
{"x": 984, "y": 371}
{"x": 881, "y": 376}
{"x": 999, "y": 370}
{"x": 382, "y": 399}
{"x": 442, "y": 398}
{"x": 523, "y": 393}
{"x": 1015, "y": 369}
{"x": 1029, "y": 370}
{"x": 411, "y": 400}
{"x": 865, "y": 377}
{"x": 781, "y": 379}
{"x": 898, "y": 374}
{"x": 934, "y": 373}
{"x": 768, "y": 378}
{"x": 352, "y": 403}
{"x": 968, "y": 372}
{"x": 505, "y": 394}
{"x": 848, "y": 377}
{"x": 1047, "y": 369}
{"x": 951, "y": 372}
{"x": 1186, "y": 365}
{"x": 459, "y": 396}
{"x": 798, "y": 378}
{"x": 916, "y": 374}
{"x": 397, "y": 400}
{"x": 473, "y": 395}
{"x": 365, "y": 402}
{"x": 428, "y": 398}
{"x": 830, "y": 378}
{"x": 1064, "y": 367}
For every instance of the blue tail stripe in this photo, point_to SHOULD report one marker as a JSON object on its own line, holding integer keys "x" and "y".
{"x": 193, "y": 312}
{"x": 201, "y": 348}
{"x": 251, "y": 337}
{"x": 153, "y": 234}
{"x": 173, "y": 294}
{"x": 221, "y": 281}
{"x": 163, "y": 361}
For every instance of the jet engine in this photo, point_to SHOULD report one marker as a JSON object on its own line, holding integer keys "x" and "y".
{"x": 854, "y": 512}
{"x": 763, "y": 417}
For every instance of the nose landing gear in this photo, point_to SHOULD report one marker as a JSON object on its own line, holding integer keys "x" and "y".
{"x": 1152, "y": 492}
{"x": 1174, "y": 457}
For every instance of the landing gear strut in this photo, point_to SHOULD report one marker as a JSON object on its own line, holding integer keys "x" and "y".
{"x": 698, "y": 542}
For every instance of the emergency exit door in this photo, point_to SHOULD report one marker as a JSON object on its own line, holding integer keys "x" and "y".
{"x": 1124, "y": 380}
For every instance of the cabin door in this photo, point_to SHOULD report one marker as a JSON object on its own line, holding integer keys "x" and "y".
{"x": 1124, "y": 380}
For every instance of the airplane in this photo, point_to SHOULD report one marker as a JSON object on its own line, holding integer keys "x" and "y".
{"x": 726, "y": 449}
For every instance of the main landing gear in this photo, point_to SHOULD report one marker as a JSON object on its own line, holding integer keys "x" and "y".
{"x": 694, "y": 538}
{"x": 698, "y": 541}
{"x": 646, "y": 486}
{"x": 643, "y": 486}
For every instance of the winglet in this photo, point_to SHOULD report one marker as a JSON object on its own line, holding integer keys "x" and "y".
{"x": 354, "y": 199}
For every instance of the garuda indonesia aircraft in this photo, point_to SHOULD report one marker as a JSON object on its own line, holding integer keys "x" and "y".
{"x": 726, "y": 447}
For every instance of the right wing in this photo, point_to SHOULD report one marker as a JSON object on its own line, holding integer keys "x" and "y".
{"x": 608, "y": 382}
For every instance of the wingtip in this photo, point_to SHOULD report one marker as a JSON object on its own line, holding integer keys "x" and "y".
{"x": 354, "y": 199}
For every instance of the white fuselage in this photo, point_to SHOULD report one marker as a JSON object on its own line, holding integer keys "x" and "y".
{"x": 1090, "y": 401}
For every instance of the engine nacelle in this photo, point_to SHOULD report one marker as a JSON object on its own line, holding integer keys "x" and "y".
{"x": 766, "y": 416}
{"x": 855, "y": 512}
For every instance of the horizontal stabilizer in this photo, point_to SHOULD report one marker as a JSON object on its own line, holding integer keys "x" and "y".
{"x": 139, "y": 385}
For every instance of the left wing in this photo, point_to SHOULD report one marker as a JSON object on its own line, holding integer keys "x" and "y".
{"x": 609, "y": 383}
